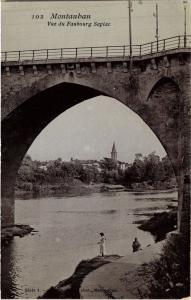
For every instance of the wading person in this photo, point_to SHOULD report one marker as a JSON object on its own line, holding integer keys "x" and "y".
{"x": 102, "y": 244}
{"x": 136, "y": 245}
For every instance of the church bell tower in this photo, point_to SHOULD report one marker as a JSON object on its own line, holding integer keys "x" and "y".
{"x": 114, "y": 152}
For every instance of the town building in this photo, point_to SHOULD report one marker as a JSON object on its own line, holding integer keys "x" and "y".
{"x": 114, "y": 152}
{"x": 112, "y": 163}
{"x": 119, "y": 165}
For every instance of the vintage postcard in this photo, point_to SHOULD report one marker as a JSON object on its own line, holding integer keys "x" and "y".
{"x": 95, "y": 149}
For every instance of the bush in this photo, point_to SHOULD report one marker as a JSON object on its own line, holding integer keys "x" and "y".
{"x": 170, "y": 275}
{"x": 26, "y": 186}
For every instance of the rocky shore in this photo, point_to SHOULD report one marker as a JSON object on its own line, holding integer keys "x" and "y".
{"x": 160, "y": 224}
{"x": 8, "y": 232}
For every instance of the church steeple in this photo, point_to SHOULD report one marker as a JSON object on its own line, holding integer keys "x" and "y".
{"x": 114, "y": 152}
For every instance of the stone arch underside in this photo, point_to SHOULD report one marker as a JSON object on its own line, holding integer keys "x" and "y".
{"x": 168, "y": 107}
{"x": 165, "y": 105}
{"x": 21, "y": 127}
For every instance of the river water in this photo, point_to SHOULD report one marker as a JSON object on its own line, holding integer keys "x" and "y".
{"x": 68, "y": 231}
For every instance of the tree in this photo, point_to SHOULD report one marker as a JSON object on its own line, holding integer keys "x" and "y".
{"x": 168, "y": 170}
{"x": 153, "y": 168}
{"x": 87, "y": 175}
{"x": 108, "y": 164}
{"x": 138, "y": 156}
{"x": 136, "y": 172}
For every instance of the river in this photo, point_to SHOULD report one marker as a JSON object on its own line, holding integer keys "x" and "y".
{"x": 68, "y": 231}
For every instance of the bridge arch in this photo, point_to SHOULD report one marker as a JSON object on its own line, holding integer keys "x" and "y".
{"x": 161, "y": 81}
{"x": 33, "y": 115}
{"x": 31, "y": 87}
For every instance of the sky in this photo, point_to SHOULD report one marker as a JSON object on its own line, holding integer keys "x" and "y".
{"x": 101, "y": 121}
{"x": 20, "y": 31}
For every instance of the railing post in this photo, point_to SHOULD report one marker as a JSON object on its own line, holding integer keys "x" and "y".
{"x": 106, "y": 51}
{"x": 185, "y": 41}
{"x": 91, "y": 49}
{"x": 164, "y": 44}
{"x": 179, "y": 41}
{"x": 124, "y": 51}
{"x": 139, "y": 50}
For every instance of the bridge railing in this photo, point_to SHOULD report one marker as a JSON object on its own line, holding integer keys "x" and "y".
{"x": 107, "y": 52}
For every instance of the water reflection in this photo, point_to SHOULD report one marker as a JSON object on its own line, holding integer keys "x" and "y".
{"x": 9, "y": 272}
{"x": 110, "y": 211}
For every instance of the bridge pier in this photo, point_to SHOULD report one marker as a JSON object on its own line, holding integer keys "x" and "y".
{"x": 184, "y": 224}
{"x": 7, "y": 198}
{"x": 9, "y": 172}
{"x": 7, "y": 211}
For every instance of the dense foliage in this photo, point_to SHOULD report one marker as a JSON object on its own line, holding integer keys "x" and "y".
{"x": 149, "y": 170}
{"x": 34, "y": 173}
{"x": 171, "y": 273}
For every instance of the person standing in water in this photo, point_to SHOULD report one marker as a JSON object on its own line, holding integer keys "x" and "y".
{"x": 136, "y": 245}
{"x": 102, "y": 244}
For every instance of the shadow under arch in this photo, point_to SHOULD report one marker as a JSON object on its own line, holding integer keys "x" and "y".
{"x": 22, "y": 126}
{"x": 164, "y": 101}
{"x": 163, "y": 80}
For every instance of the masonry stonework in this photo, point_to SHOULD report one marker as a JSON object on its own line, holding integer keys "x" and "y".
{"x": 158, "y": 90}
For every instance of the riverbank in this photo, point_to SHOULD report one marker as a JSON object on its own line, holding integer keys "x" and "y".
{"x": 69, "y": 288}
{"x": 10, "y": 231}
{"x": 160, "y": 224}
{"x": 160, "y": 271}
{"x": 126, "y": 278}
{"x": 77, "y": 187}
{"x": 107, "y": 277}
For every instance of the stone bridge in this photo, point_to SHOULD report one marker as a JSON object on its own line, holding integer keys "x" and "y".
{"x": 37, "y": 86}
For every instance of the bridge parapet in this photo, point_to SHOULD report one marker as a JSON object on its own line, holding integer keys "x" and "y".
{"x": 23, "y": 79}
{"x": 166, "y": 59}
{"x": 110, "y": 53}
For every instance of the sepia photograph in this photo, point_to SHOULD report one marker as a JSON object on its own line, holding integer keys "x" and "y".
{"x": 95, "y": 156}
